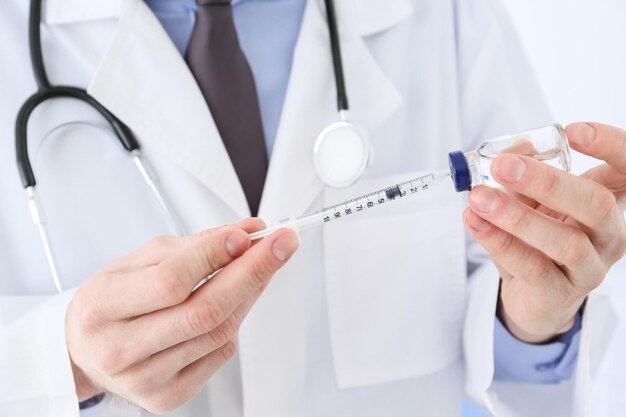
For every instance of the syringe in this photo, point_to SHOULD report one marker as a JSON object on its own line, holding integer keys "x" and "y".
{"x": 548, "y": 144}
{"x": 360, "y": 204}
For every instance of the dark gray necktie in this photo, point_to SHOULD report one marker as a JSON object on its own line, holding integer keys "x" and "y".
{"x": 225, "y": 79}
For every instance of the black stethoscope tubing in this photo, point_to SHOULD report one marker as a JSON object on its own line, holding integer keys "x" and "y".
{"x": 340, "y": 81}
{"x": 46, "y": 92}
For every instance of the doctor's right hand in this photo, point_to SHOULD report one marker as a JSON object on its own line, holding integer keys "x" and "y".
{"x": 137, "y": 330}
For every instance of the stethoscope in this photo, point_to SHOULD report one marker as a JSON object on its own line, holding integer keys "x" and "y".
{"x": 342, "y": 150}
{"x": 340, "y": 154}
{"x": 45, "y": 92}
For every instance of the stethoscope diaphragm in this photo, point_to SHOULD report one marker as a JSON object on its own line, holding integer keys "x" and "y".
{"x": 341, "y": 153}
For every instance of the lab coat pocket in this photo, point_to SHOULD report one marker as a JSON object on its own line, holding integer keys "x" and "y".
{"x": 396, "y": 285}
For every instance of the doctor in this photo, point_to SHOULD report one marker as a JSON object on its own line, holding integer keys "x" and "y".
{"x": 362, "y": 320}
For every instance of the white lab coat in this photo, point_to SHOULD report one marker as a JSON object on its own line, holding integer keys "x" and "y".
{"x": 374, "y": 316}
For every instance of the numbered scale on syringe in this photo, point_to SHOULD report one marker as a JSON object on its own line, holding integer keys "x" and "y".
{"x": 377, "y": 198}
{"x": 360, "y": 204}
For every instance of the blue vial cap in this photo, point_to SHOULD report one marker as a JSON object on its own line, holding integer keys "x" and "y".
{"x": 460, "y": 171}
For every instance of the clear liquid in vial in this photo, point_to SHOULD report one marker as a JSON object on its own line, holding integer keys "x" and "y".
{"x": 547, "y": 144}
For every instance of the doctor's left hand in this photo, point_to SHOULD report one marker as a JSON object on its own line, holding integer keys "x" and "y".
{"x": 554, "y": 235}
{"x": 136, "y": 329}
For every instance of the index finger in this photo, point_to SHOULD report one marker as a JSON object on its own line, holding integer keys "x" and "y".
{"x": 207, "y": 310}
{"x": 586, "y": 201}
{"x": 172, "y": 279}
{"x": 600, "y": 141}
{"x": 211, "y": 304}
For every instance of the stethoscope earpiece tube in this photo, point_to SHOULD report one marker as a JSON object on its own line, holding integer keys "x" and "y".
{"x": 34, "y": 39}
{"x": 342, "y": 96}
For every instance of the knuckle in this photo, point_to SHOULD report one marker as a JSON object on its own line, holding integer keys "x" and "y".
{"x": 562, "y": 293}
{"x": 518, "y": 219}
{"x": 549, "y": 184}
{"x": 168, "y": 285}
{"x": 192, "y": 349}
{"x": 89, "y": 304}
{"x": 109, "y": 361}
{"x": 223, "y": 333}
{"x": 603, "y": 203}
{"x": 209, "y": 257}
{"x": 85, "y": 309}
{"x": 598, "y": 278}
{"x": 205, "y": 317}
{"x": 505, "y": 243}
{"x": 620, "y": 248}
{"x": 261, "y": 272}
{"x": 196, "y": 320}
{"x": 539, "y": 267}
{"x": 229, "y": 350}
{"x": 575, "y": 249}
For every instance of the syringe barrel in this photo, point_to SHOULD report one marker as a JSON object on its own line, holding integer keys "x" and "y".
{"x": 548, "y": 144}
{"x": 299, "y": 224}
{"x": 361, "y": 204}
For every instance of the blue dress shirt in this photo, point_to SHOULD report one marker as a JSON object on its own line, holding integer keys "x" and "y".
{"x": 269, "y": 48}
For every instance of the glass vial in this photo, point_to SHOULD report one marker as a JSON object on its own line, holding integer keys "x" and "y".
{"x": 547, "y": 144}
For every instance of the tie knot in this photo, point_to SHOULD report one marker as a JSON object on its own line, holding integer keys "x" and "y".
{"x": 211, "y": 2}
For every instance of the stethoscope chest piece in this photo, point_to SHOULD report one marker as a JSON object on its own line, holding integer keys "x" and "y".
{"x": 341, "y": 154}
{"x": 342, "y": 150}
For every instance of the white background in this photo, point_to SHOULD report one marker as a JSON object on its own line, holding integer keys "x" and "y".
{"x": 578, "y": 50}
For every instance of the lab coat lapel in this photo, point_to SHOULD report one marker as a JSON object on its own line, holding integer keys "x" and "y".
{"x": 145, "y": 82}
{"x": 310, "y": 103}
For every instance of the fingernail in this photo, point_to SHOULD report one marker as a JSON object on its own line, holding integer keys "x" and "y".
{"x": 237, "y": 243}
{"x": 582, "y": 134}
{"x": 485, "y": 199}
{"x": 286, "y": 245}
{"x": 510, "y": 168}
{"x": 477, "y": 223}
